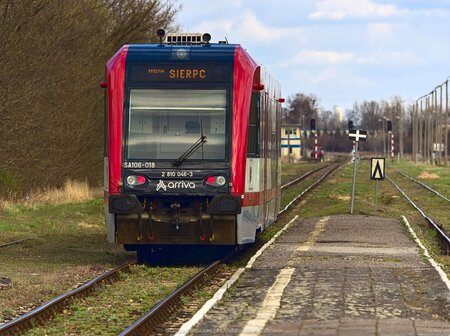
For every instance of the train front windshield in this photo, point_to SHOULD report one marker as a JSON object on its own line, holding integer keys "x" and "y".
{"x": 164, "y": 123}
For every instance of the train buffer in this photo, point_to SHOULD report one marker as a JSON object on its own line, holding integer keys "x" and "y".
{"x": 339, "y": 275}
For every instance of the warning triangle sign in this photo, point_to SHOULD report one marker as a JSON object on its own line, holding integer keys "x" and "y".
{"x": 377, "y": 169}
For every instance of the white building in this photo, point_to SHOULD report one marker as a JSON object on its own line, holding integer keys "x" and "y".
{"x": 291, "y": 143}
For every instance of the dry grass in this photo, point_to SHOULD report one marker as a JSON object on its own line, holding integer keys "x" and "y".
{"x": 430, "y": 176}
{"x": 70, "y": 192}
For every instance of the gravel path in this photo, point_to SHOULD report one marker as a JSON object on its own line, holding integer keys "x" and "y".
{"x": 342, "y": 275}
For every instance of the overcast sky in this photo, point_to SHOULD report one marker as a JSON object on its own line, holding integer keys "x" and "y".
{"x": 343, "y": 51}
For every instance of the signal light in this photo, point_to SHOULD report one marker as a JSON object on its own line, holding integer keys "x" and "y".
{"x": 216, "y": 181}
{"x": 135, "y": 180}
{"x": 350, "y": 125}
{"x": 312, "y": 124}
{"x": 161, "y": 33}
{"x": 389, "y": 126}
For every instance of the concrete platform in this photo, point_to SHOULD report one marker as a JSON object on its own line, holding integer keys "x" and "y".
{"x": 342, "y": 275}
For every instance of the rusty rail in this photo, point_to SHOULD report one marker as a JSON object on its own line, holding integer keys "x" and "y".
{"x": 43, "y": 313}
{"x": 147, "y": 324}
{"x": 443, "y": 236}
{"x": 333, "y": 166}
{"x": 15, "y": 242}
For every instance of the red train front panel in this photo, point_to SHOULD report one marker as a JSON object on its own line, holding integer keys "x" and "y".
{"x": 177, "y": 166}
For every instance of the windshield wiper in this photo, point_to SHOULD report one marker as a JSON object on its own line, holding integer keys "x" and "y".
{"x": 190, "y": 151}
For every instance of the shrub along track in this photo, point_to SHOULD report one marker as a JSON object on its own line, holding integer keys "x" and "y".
{"x": 161, "y": 317}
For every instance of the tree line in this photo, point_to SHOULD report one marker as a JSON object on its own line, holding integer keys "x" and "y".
{"x": 53, "y": 56}
{"x": 371, "y": 116}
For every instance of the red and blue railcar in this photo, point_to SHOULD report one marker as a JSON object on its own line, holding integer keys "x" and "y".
{"x": 192, "y": 150}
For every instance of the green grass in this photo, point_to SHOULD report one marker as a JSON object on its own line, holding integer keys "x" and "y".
{"x": 441, "y": 183}
{"x": 18, "y": 221}
{"x": 70, "y": 246}
{"x": 113, "y": 308}
{"x": 290, "y": 171}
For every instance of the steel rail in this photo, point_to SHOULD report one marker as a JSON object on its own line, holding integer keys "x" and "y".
{"x": 315, "y": 184}
{"x": 15, "y": 242}
{"x": 442, "y": 235}
{"x": 152, "y": 319}
{"x": 425, "y": 186}
{"x": 298, "y": 179}
{"x": 41, "y": 314}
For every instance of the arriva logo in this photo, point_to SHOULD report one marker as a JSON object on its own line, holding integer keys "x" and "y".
{"x": 175, "y": 185}
{"x": 160, "y": 185}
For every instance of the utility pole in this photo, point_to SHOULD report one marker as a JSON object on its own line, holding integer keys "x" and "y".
{"x": 428, "y": 137}
{"x": 439, "y": 128}
{"x": 427, "y": 129}
{"x": 414, "y": 130}
{"x": 436, "y": 128}
{"x": 400, "y": 129}
{"x": 384, "y": 136}
{"x": 421, "y": 132}
{"x": 446, "y": 123}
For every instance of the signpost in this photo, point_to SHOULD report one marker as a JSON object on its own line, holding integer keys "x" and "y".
{"x": 357, "y": 136}
{"x": 377, "y": 172}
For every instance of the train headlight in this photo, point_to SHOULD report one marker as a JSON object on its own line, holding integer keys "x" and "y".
{"x": 135, "y": 180}
{"x": 216, "y": 181}
{"x": 220, "y": 180}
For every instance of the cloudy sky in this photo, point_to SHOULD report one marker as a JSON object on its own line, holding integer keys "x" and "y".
{"x": 343, "y": 51}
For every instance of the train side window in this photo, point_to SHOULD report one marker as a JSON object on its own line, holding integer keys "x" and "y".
{"x": 253, "y": 147}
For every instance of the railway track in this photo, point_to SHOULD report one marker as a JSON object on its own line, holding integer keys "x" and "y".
{"x": 329, "y": 169}
{"x": 161, "y": 312}
{"x": 43, "y": 313}
{"x": 425, "y": 186}
{"x": 426, "y": 211}
{"x": 15, "y": 242}
{"x": 153, "y": 319}
{"x": 149, "y": 327}
{"x": 302, "y": 177}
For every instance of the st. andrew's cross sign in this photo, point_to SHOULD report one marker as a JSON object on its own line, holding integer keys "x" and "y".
{"x": 357, "y": 135}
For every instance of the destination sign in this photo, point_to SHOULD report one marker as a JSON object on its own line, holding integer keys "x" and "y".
{"x": 186, "y": 72}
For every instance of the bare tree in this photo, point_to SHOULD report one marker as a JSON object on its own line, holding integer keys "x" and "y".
{"x": 303, "y": 108}
{"x": 53, "y": 57}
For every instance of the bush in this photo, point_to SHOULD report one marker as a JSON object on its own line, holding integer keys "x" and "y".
{"x": 10, "y": 185}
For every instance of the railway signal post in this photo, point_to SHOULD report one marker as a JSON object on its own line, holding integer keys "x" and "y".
{"x": 356, "y": 136}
